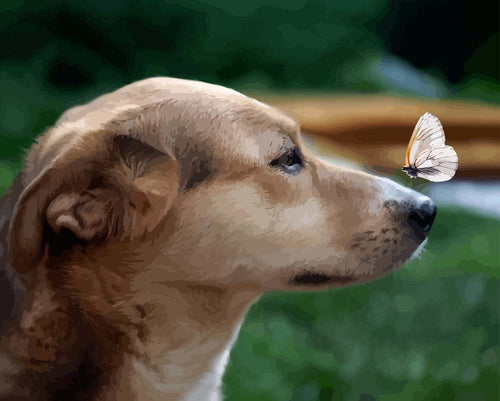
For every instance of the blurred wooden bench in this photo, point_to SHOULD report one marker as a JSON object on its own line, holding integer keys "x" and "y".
{"x": 375, "y": 130}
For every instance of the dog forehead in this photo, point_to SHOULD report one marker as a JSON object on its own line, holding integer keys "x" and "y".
{"x": 238, "y": 134}
{"x": 251, "y": 130}
{"x": 194, "y": 111}
{"x": 237, "y": 107}
{"x": 229, "y": 103}
{"x": 228, "y": 121}
{"x": 194, "y": 97}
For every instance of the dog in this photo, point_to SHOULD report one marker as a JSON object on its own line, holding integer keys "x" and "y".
{"x": 144, "y": 224}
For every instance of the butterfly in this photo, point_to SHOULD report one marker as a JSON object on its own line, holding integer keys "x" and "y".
{"x": 427, "y": 156}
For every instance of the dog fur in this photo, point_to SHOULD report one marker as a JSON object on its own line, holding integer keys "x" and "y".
{"x": 145, "y": 223}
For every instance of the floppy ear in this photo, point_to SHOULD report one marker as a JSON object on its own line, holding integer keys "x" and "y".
{"x": 102, "y": 187}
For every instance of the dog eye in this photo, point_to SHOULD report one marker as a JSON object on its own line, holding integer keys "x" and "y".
{"x": 291, "y": 161}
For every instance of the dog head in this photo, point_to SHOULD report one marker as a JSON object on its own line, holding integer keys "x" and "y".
{"x": 169, "y": 180}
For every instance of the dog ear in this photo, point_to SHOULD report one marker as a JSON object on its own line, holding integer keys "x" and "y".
{"x": 101, "y": 187}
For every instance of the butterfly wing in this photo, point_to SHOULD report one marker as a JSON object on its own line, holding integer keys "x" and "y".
{"x": 437, "y": 164}
{"x": 410, "y": 145}
{"x": 428, "y": 134}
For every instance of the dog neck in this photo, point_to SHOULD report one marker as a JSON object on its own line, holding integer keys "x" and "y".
{"x": 129, "y": 339}
{"x": 180, "y": 345}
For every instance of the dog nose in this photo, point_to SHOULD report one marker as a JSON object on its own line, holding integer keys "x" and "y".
{"x": 421, "y": 217}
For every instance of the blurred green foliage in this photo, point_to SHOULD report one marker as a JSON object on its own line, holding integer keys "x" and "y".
{"x": 57, "y": 53}
{"x": 427, "y": 332}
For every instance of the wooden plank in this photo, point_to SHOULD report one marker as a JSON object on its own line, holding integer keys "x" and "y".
{"x": 374, "y": 130}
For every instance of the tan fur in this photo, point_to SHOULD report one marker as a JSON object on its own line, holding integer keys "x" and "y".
{"x": 145, "y": 223}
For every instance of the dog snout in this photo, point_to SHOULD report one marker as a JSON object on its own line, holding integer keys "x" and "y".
{"x": 409, "y": 207}
{"x": 421, "y": 216}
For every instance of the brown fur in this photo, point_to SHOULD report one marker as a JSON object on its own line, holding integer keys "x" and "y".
{"x": 145, "y": 223}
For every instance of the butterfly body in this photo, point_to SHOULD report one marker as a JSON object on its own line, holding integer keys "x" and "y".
{"x": 412, "y": 171}
{"x": 427, "y": 156}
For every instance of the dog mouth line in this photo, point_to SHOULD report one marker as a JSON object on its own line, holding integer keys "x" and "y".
{"x": 320, "y": 278}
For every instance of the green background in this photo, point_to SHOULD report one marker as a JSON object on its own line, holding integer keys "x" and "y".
{"x": 427, "y": 332}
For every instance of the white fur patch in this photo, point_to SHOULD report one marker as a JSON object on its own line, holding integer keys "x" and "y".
{"x": 418, "y": 251}
{"x": 209, "y": 387}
